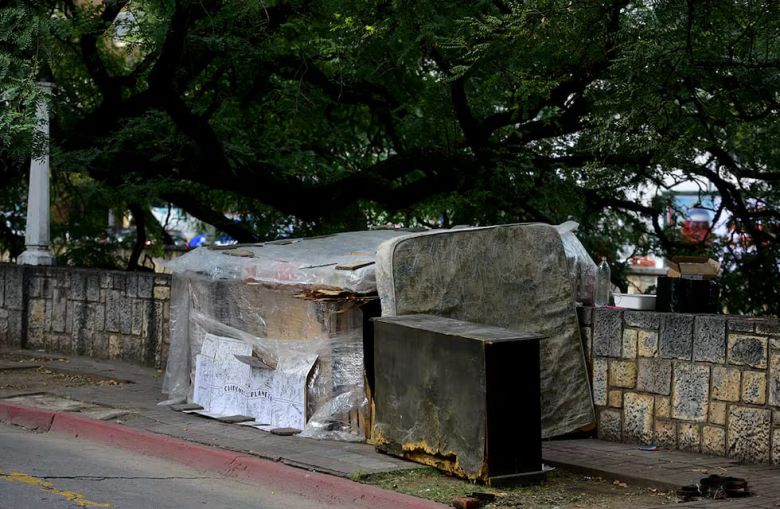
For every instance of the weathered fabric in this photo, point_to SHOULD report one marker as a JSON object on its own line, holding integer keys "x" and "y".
{"x": 513, "y": 276}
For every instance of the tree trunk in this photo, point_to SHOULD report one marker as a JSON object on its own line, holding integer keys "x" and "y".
{"x": 139, "y": 219}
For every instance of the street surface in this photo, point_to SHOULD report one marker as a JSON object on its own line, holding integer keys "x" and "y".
{"x": 45, "y": 471}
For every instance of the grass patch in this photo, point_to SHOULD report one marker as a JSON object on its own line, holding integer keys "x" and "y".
{"x": 562, "y": 490}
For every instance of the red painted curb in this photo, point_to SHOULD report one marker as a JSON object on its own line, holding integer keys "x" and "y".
{"x": 143, "y": 442}
{"x": 28, "y": 417}
{"x": 311, "y": 485}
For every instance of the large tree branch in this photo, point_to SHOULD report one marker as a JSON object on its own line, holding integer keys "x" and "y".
{"x": 167, "y": 64}
{"x": 573, "y": 85}
{"x": 139, "y": 218}
{"x": 352, "y": 92}
{"x": 598, "y": 201}
{"x": 199, "y": 131}
{"x": 460, "y": 104}
{"x": 198, "y": 209}
{"x": 378, "y": 99}
{"x": 512, "y": 116}
{"x": 441, "y": 171}
{"x": 568, "y": 121}
{"x": 578, "y": 159}
{"x": 114, "y": 109}
{"x": 739, "y": 170}
{"x": 109, "y": 86}
{"x": 396, "y": 182}
{"x": 433, "y": 171}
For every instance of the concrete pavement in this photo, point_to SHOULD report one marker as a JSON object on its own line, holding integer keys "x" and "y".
{"x": 335, "y": 491}
{"x": 77, "y": 406}
{"x": 137, "y": 402}
{"x": 663, "y": 469}
{"x": 141, "y": 392}
{"x": 50, "y": 471}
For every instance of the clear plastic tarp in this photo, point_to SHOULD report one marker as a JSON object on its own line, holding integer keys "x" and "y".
{"x": 291, "y": 301}
{"x": 344, "y": 261}
{"x": 582, "y": 268}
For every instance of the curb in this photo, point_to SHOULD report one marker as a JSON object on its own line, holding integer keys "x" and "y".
{"x": 310, "y": 485}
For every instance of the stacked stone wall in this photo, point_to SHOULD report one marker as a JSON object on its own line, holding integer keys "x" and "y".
{"x": 98, "y": 313}
{"x": 701, "y": 383}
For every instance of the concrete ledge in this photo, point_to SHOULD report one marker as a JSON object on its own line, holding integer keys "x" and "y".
{"x": 663, "y": 469}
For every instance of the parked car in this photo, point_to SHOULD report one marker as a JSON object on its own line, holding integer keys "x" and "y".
{"x": 197, "y": 241}
{"x": 225, "y": 240}
{"x": 177, "y": 239}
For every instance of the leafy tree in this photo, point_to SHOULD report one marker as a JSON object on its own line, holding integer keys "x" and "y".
{"x": 333, "y": 114}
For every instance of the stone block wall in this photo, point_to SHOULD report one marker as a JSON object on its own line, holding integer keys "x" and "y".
{"x": 702, "y": 383}
{"x": 98, "y": 313}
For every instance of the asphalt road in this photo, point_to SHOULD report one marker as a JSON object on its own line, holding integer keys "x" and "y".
{"x": 46, "y": 471}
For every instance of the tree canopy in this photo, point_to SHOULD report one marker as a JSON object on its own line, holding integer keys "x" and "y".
{"x": 338, "y": 114}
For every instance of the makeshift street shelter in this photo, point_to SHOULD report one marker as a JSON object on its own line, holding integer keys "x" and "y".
{"x": 276, "y": 325}
{"x": 275, "y": 330}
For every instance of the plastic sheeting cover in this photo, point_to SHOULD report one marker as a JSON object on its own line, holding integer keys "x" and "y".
{"x": 582, "y": 268}
{"x": 258, "y": 294}
{"x": 335, "y": 394}
{"x": 343, "y": 261}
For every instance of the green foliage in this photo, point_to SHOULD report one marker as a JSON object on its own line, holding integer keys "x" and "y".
{"x": 87, "y": 252}
{"x": 309, "y": 117}
{"x": 20, "y": 56}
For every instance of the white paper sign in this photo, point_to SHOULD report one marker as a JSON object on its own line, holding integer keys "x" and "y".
{"x": 220, "y": 383}
{"x": 259, "y": 400}
{"x": 225, "y": 386}
{"x": 289, "y": 390}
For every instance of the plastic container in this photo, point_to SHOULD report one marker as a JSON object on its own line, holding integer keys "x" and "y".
{"x": 603, "y": 277}
{"x": 635, "y": 301}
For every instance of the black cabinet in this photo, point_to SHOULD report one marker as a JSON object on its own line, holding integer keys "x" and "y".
{"x": 459, "y": 396}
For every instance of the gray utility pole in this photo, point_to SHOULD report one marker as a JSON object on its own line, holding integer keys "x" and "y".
{"x": 36, "y": 237}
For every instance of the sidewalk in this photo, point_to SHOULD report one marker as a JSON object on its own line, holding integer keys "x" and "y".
{"x": 663, "y": 469}
{"x": 140, "y": 396}
{"x": 137, "y": 401}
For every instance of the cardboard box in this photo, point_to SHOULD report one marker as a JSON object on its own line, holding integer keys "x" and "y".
{"x": 692, "y": 267}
